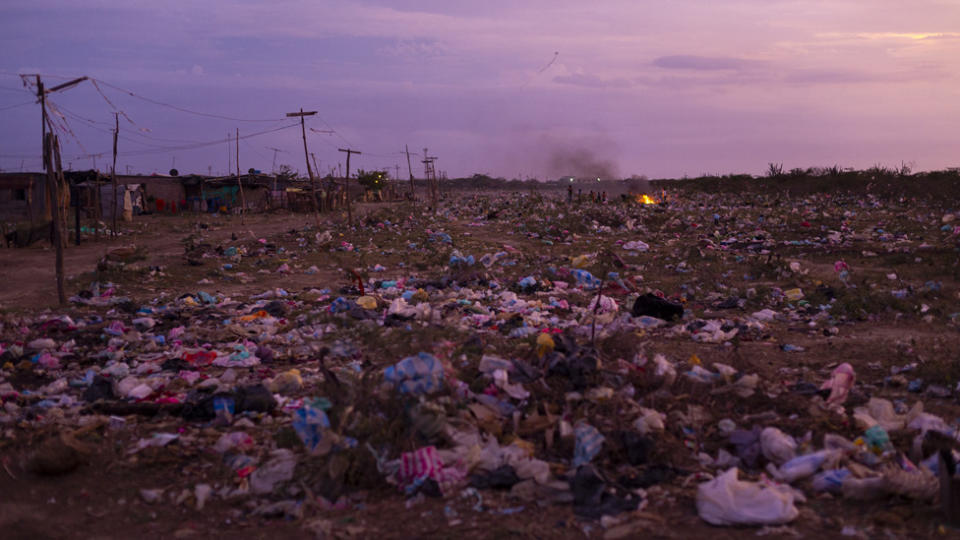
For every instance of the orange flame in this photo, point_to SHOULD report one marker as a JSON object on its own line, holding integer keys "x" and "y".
{"x": 645, "y": 199}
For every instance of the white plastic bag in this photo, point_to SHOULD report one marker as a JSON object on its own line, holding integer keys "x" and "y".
{"x": 804, "y": 466}
{"x": 726, "y": 500}
{"x": 649, "y": 421}
{"x": 636, "y": 245}
{"x": 777, "y": 446}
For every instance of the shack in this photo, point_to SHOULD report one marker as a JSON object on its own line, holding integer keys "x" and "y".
{"x": 222, "y": 193}
{"x": 23, "y": 196}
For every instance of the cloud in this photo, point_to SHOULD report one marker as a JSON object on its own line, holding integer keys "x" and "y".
{"x": 912, "y": 36}
{"x": 703, "y": 63}
{"x": 413, "y": 49}
{"x": 855, "y": 76}
{"x": 591, "y": 81}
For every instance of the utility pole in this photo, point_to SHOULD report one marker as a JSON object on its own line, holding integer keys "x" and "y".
{"x": 48, "y": 164}
{"x": 75, "y": 195}
{"x": 322, "y": 202}
{"x": 97, "y": 207}
{"x": 50, "y": 144}
{"x": 275, "y": 151}
{"x": 243, "y": 200}
{"x": 395, "y": 185}
{"x": 113, "y": 170}
{"x": 413, "y": 194}
{"x": 229, "y": 158}
{"x": 49, "y": 147}
{"x": 430, "y": 173}
{"x": 346, "y": 182}
{"x": 306, "y": 157}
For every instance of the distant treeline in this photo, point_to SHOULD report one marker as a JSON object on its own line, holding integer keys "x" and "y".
{"x": 878, "y": 180}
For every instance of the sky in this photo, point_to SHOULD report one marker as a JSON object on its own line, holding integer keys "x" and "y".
{"x": 538, "y": 88}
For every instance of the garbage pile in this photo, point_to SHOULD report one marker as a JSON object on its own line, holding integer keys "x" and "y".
{"x": 609, "y": 359}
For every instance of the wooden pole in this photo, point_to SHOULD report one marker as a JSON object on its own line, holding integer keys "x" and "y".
{"x": 63, "y": 195}
{"x": 346, "y": 183}
{"x": 321, "y": 201}
{"x": 431, "y": 176}
{"x": 243, "y": 200}
{"x": 413, "y": 194}
{"x": 306, "y": 157}
{"x": 30, "y": 209}
{"x": 113, "y": 171}
{"x": 97, "y": 213}
{"x": 43, "y": 144}
{"x": 76, "y": 213}
{"x": 52, "y": 189}
{"x": 43, "y": 118}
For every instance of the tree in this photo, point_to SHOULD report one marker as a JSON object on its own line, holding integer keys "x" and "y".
{"x": 372, "y": 180}
{"x": 286, "y": 172}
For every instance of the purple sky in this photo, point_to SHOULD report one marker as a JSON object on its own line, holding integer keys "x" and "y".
{"x": 663, "y": 88}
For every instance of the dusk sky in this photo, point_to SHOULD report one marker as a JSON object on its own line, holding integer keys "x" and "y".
{"x": 515, "y": 89}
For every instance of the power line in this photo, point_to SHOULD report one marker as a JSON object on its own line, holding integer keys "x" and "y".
{"x": 93, "y": 124}
{"x": 181, "y": 109}
{"x": 165, "y": 149}
{"x": 63, "y": 125}
{"x": 12, "y": 89}
{"x": 31, "y": 102}
{"x": 254, "y": 150}
{"x": 344, "y": 139}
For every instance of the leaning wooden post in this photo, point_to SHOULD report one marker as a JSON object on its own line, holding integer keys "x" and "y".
{"x": 50, "y": 146}
{"x": 306, "y": 156}
{"x": 243, "y": 200}
{"x": 113, "y": 171}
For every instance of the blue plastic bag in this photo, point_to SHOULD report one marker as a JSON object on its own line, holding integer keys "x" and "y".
{"x": 420, "y": 374}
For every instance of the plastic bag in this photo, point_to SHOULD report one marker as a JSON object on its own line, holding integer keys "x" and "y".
{"x": 664, "y": 370}
{"x": 421, "y": 374}
{"x": 726, "y": 500}
{"x": 840, "y": 383}
{"x": 311, "y": 422}
{"x": 588, "y": 444}
{"x": 636, "y": 245}
{"x": 276, "y": 471}
{"x": 585, "y": 279}
{"x": 423, "y": 464}
{"x": 777, "y": 446}
{"x": 803, "y": 466}
{"x": 649, "y": 421}
{"x": 831, "y": 481}
{"x": 879, "y": 412}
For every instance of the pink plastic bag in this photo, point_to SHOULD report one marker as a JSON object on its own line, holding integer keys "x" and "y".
{"x": 840, "y": 383}
{"x": 424, "y": 463}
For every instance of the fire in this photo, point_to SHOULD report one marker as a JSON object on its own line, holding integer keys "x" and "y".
{"x": 645, "y": 199}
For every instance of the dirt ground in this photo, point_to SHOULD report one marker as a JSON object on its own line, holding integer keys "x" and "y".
{"x": 693, "y": 258}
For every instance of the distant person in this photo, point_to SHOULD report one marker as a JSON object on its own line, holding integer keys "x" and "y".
{"x": 604, "y": 198}
{"x": 569, "y": 193}
{"x": 579, "y": 195}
